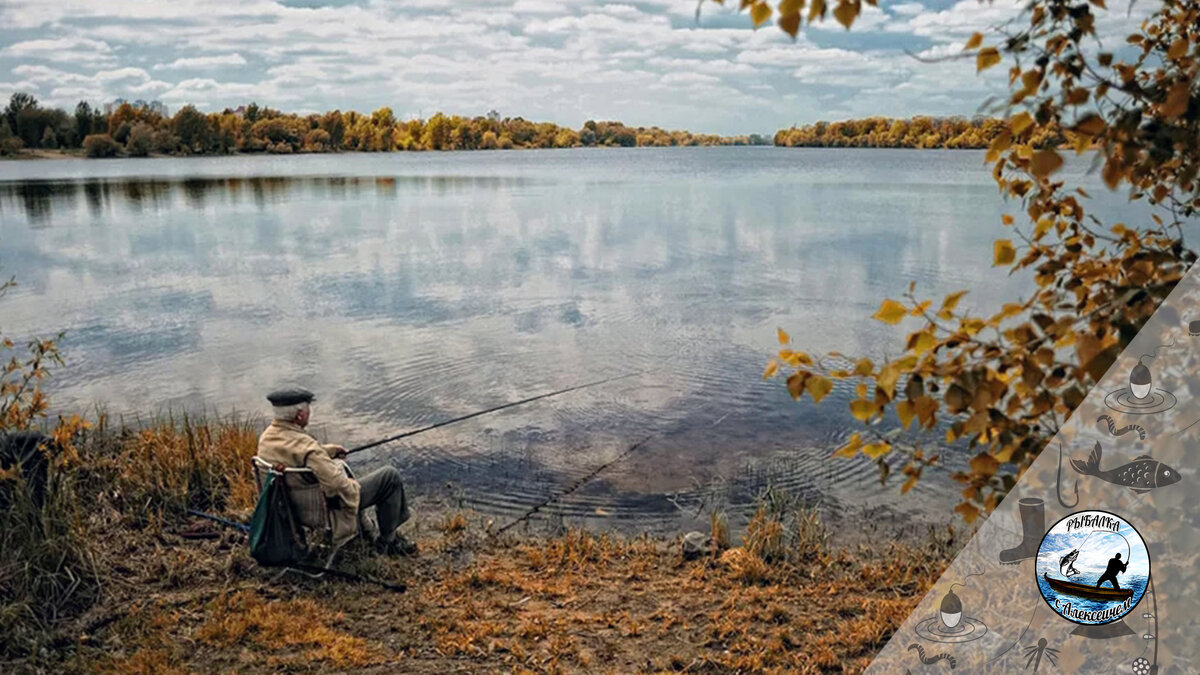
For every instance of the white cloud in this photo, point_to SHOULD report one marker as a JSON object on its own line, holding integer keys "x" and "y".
{"x": 61, "y": 50}
{"x": 644, "y": 61}
{"x": 203, "y": 62}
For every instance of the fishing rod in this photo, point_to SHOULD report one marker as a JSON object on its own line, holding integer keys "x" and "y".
{"x": 498, "y": 408}
{"x": 573, "y": 487}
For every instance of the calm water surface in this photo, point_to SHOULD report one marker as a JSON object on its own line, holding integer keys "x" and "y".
{"x": 408, "y": 288}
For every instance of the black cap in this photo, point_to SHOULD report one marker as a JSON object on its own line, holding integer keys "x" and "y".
{"x": 290, "y": 397}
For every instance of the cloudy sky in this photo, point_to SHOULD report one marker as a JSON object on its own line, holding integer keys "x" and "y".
{"x": 643, "y": 62}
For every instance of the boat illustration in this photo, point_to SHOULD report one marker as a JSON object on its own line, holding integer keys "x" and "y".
{"x": 1086, "y": 591}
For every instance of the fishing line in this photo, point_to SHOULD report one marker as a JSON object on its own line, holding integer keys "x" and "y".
{"x": 1016, "y": 642}
{"x": 498, "y": 408}
{"x": 964, "y": 581}
{"x": 574, "y": 486}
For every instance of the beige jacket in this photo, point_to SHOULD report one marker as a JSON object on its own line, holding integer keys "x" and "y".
{"x": 288, "y": 444}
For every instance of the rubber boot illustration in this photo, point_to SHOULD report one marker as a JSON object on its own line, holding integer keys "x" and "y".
{"x": 1033, "y": 526}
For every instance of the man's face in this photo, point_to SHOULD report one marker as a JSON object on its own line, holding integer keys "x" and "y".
{"x": 302, "y": 416}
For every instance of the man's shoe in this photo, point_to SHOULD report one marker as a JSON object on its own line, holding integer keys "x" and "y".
{"x": 397, "y": 546}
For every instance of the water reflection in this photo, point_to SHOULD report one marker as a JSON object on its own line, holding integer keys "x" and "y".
{"x": 408, "y": 290}
{"x": 37, "y": 198}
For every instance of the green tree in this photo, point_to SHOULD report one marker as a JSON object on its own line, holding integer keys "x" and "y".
{"x": 17, "y": 103}
{"x": 83, "y": 120}
{"x": 9, "y": 144}
{"x": 192, "y": 128}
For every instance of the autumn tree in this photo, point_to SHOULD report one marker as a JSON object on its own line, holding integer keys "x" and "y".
{"x": 192, "y": 128}
{"x": 1003, "y": 382}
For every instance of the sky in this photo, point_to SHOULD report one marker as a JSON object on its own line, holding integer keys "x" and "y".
{"x": 644, "y": 62}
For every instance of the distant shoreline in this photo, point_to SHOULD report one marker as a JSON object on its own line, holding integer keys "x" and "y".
{"x": 39, "y": 154}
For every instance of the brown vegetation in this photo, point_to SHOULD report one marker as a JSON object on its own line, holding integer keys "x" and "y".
{"x": 146, "y": 600}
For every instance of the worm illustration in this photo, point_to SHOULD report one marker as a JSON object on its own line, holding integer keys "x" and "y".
{"x": 930, "y": 660}
{"x": 1112, "y": 427}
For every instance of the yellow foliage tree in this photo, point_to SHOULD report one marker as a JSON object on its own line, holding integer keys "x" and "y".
{"x": 1005, "y": 381}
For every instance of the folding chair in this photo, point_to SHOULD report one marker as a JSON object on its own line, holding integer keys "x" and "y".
{"x": 310, "y": 515}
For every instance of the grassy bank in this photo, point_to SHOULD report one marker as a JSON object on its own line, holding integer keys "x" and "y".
{"x": 100, "y": 581}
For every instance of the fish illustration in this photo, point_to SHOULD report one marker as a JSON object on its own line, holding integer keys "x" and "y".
{"x": 1141, "y": 475}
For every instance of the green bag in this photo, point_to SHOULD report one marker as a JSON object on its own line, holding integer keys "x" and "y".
{"x": 273, "y": 538}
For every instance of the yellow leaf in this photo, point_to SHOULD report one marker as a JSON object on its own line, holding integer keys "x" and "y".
{"x": 877, "y": 449}
{"x": 905, "y": 411}
{"x": 1020, "y": 122}
{"x": 795, "y": 383}
{"x": 975, "y": 41}
{"x": 908, "y": 484}
{"x": 862, "y": 409}
{"x": 967, "y": 511}
{"x": 986, "y": 58}
{"x": 887, "y": 379}
{"x": 1006, "y": 219}
{"x": 1178, "y": 48}
{"x": 998, "y": 145}
{"x": 817, "y": 8}
{"x": 921, "y": 307}
{"x": 890, "y": 312}
{"x": 863, "y": 367}
{"x": 850, "y": 449}
{"x": 984, "y": 465}
{"x": 818, "y": 387}
{"x": 1003, "y": 252}
{"x": 759, "y": 13}
{"x": 951, "y": 300}
{"x": 846, "y": 13}
{"x": 921, "y": 342}
{"x": 772, "y": 368}
{"x": 790, "y": 23}
{"x": 1177, "y": 101}
{"x": 795, "y": 359}
{"x": 1043, "y": 226}
{"x": 790, "y": 6}
{"x": 1045, "y": 162}
{"x": 784, "y": 338}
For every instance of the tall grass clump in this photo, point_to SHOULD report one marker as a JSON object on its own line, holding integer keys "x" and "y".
{"x": 172, "y": 464}
{"x": 47, "y": 567}
{"x": 785, "y": 529}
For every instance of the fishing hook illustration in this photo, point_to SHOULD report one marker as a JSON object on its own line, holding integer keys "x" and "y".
{"x": 1058, "y": 483}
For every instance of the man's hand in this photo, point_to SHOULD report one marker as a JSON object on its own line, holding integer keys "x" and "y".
{"x": 337, "y": 451}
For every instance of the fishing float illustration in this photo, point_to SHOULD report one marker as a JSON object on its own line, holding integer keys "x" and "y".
{"x": 1141, "y": 397}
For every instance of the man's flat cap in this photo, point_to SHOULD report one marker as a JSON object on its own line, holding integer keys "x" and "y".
{"x": 285, "y": 397}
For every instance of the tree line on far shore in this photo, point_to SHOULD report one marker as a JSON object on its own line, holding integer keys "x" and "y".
{"x": 138, "y": 132}
{"x": 918, "y": 132}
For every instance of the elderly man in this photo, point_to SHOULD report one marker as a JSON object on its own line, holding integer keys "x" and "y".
{"x": 285, "y": 442}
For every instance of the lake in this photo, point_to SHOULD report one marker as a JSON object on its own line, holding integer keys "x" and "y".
{"x": 408, "y": 288}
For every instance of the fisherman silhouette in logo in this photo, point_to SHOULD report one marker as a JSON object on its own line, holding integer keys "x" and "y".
{"x": 1115, "y": 567}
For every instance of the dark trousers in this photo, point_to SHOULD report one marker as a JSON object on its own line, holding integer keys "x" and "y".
{"x": 382, "y": 489}
{"x": 1112, "y": 578}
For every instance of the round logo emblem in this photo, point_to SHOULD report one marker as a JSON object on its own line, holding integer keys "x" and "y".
{"x": 1092, "y": 567}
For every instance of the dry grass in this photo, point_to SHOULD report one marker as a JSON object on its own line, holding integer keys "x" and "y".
{"x": 782, "y": 602}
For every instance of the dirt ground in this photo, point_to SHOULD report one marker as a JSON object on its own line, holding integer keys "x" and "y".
{"x": 572, "y": 603}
